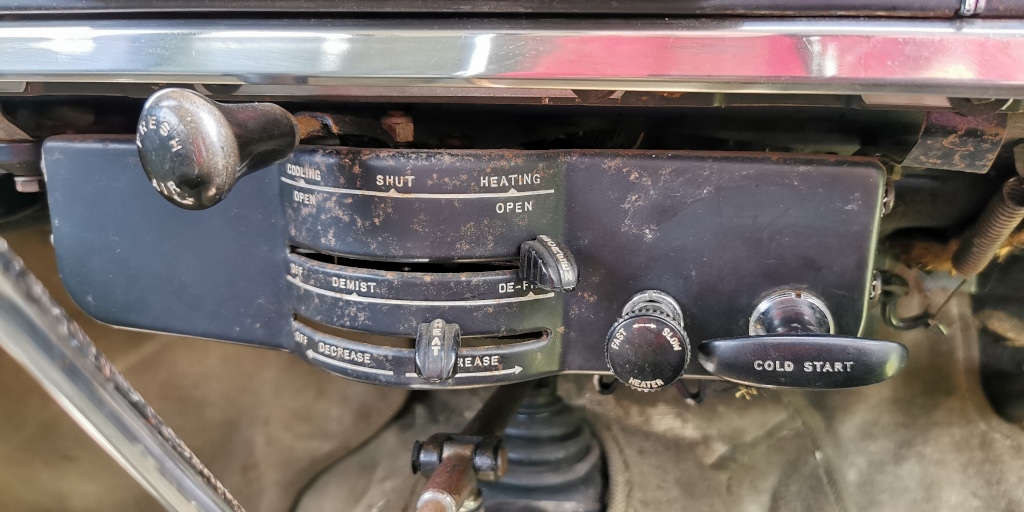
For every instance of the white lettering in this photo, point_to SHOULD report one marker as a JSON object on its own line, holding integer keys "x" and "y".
{"x": 302, "y": 197}
{"x": 828, "y": 366}
{"x": 514, "y": 207}
{"x": 479, "y": 361}
{"x": 388, "y": 180}
{"x": 646, "y": 384}
{"x": 620, "y": 335}
{"x": 563, "y": 263}
{"x": 303, "y": 172}
{"x": 510, "y": 180}
{"x": 777, "y": 366}
{"x": 342, "y": 354}
{"x": 353, "y": 284}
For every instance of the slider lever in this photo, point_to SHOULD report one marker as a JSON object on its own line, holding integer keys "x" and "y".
{"x": 437, "y": 348}
{"x": 547, "y": 264}
{"x": 792, "y": 345}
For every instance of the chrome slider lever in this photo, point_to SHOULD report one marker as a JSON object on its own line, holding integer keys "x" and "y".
{"x": 792, "y": 345}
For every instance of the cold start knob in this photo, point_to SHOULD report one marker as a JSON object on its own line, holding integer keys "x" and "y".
{"x": 792, "y": 344}
{"x": 647, "y": 348}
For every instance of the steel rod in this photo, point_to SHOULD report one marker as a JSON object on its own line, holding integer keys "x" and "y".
{"x": 40, "y": 336}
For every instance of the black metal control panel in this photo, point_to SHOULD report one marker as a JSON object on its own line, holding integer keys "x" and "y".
{"x": 338, "y": 241}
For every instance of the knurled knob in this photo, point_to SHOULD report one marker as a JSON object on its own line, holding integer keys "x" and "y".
{"x": 646, "y": 349}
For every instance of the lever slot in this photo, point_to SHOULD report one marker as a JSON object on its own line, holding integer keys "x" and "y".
{"x": 409, "y": 285}
{"x": 477, "y": 341}
{"x": 476, "y": 366}
{"x": 399, "y": 266}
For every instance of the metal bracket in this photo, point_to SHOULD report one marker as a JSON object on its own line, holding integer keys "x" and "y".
{"x": 454, "y": 463}
{"x": 956, "y": 142}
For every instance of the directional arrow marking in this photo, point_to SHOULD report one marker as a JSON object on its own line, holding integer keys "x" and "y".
{"x": 507, "y": 371}
{"x": 652, "y": 326}
{"x": 335, "y": 362}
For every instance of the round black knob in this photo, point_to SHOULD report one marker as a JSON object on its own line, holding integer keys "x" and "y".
{"x": 194, "y": 149}
{"x": 647, "y": 349}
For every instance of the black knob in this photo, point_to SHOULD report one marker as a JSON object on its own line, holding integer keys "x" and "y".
{"x": 647, "y": 348}
{"x": 813, "y": 361}
{"x": 194, "y": 149}
{"x": 547, "y": 264}
{"x": 792, "y": 345}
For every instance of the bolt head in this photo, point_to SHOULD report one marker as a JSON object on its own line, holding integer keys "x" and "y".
{"x": 28, "y": 184}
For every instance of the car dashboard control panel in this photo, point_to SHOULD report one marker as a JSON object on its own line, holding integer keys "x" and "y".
{"x": 435, "y": 268}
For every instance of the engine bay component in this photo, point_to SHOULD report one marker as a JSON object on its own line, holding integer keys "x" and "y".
{"x": 1001, "y": 217}
{"x": 791, "y": 345}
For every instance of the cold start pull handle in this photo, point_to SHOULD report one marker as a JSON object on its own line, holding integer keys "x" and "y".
{"x": 194, "y": 149}
{"x": 792, "y": 346}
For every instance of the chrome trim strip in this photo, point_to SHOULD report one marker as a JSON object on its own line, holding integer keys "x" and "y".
{"x": 977, "y": 58}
